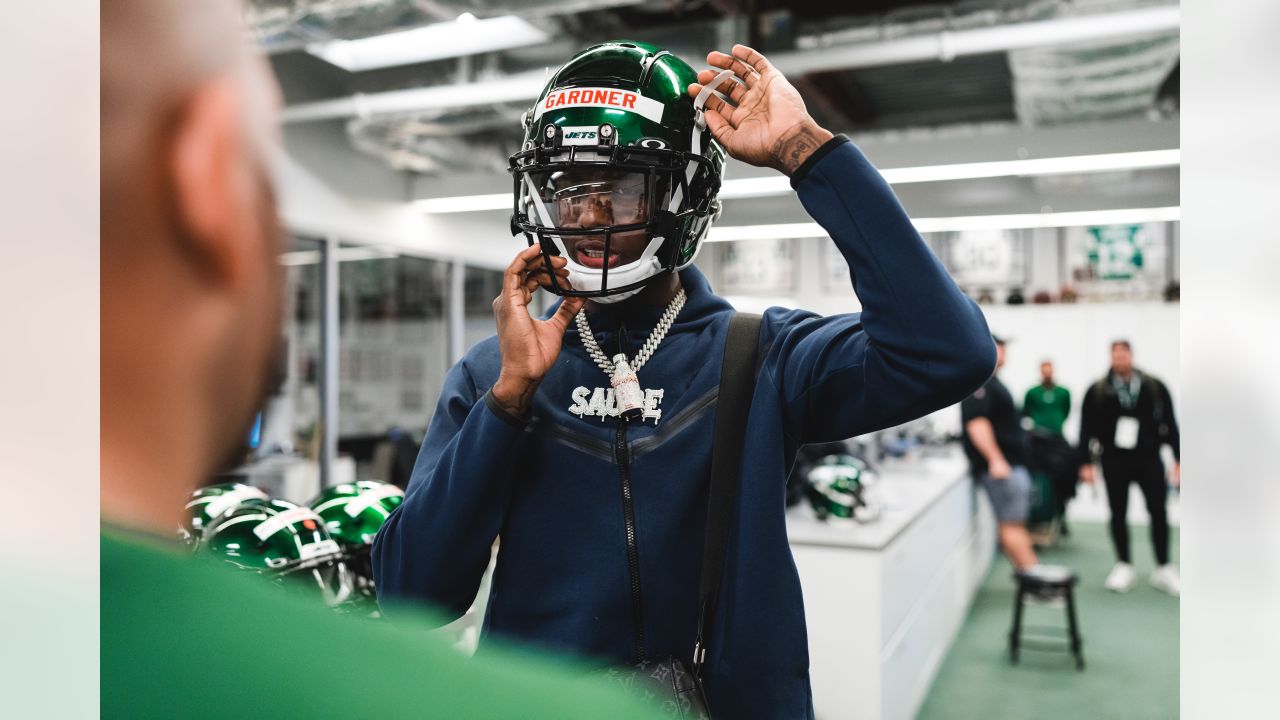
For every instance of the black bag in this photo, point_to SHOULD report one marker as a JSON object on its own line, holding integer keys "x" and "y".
{"x": 667, "y": 684}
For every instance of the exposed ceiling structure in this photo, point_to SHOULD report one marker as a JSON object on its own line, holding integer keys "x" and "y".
{"x": 894, "y": 64}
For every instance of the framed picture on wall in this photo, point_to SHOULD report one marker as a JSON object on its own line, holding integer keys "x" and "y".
{"x": 1119, "y": 262}
{"x": 759, "y": 266}
{"x": 986, "y": 258}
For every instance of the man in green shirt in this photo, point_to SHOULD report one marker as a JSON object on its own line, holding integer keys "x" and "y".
{"x": 191, "y": 303}
{"x": 1047, "y": 405}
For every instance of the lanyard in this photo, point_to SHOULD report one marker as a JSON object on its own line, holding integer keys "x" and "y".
{"x": 1127, "y": 391}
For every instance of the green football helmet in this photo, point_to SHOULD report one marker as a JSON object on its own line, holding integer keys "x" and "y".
{"x": 617, "y": 173}
{"x": 209, "y": 503}
{"x": 283, "y": 541}
{"x": 352, "y": 513}
{"x": 840, "y": 487}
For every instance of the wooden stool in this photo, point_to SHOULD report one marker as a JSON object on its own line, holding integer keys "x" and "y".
{"x": 1056, "y": 582}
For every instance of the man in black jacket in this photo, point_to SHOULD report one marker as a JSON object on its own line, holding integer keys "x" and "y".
{"x": 1130, "y": 415}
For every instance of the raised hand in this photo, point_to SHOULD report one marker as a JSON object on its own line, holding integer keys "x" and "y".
{"x": 529, "y": 346}
{"x": 765, "y": 122}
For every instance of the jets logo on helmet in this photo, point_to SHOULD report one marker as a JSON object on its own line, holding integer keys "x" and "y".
{"x": 617, "y": 173}
{"x": 580, "y": 135}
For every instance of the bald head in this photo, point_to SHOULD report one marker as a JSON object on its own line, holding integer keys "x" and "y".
{"x": 191, "y": 283}
{"x": 155, "y": 53}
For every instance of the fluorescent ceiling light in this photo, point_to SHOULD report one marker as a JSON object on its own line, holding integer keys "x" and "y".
{"x": 779, "y": 231}
{"x": 465, "y": 203}
{"x": 432, "y": 42}
{"x": 1037, "y": 166}
{"x": 778, "y": 185}
{"x": 346, "y": 254}
{"x": 1131, "y": 216}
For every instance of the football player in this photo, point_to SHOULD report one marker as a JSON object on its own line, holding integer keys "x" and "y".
{"x": 584, "y": 436}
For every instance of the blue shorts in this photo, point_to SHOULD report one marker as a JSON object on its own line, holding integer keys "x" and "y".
{"x": 1010, "y": 497}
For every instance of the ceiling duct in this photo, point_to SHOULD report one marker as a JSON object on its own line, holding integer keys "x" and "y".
{"x": 1071, "y": 61}
{"x": 1102, "y": 79}
{"x": 478, "y": 139}
{"x": 526, "y": 8}
{"x": 1162, "y": 19}
{"x": 283, "y": 25}
{"x": 942, "y": 33}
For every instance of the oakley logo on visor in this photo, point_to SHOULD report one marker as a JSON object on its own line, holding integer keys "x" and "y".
{"x": 601, "y": 97}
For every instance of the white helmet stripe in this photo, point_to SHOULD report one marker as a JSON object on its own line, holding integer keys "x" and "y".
{"x": 371, "y": 497}
{"x": 276, "y": 523}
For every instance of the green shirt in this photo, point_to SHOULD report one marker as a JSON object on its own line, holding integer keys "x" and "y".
{"x": 1048, "y": 408}
{"x": 183, "y": 638}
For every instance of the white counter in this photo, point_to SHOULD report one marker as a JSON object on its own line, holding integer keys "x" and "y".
{"x": 884, "y": 600}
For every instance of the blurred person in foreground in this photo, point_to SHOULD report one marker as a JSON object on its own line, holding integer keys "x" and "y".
{"x": 1046, "y": 406}
{"x": 603, "y": 516}
{"x": 1129, "y": 415}
{"x": 191, "y": 302}
{"x": 999, "y": 455}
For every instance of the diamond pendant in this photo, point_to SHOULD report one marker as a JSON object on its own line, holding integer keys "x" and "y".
{"x": 626, "y": 389}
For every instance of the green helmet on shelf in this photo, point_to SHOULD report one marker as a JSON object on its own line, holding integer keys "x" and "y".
{"x": 283, "y": 541}
{"x": 614, "y": 148}
{"x": 352, "y": 513}
{"x": 209, "y": 503}
{"x": 838, "y": 486}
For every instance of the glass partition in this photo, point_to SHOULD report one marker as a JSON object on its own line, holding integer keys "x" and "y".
{"x": 393, "y": 355}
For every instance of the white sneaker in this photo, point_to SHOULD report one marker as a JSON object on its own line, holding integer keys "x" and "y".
{"x": 1121, "y": 579}
{"x": 1166, "y": 578}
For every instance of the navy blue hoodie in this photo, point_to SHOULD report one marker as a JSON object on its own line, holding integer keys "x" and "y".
{"x": 553, "y": 487}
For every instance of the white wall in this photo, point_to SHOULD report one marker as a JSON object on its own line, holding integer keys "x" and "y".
{"x": 310, "y": 206}
{"x": 1078, "y": 339}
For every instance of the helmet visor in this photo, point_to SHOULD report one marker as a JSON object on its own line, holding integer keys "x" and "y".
{"x": 585, "y": 197}
{"x": 329, "y": 576}
{"x": 618, "y": 202}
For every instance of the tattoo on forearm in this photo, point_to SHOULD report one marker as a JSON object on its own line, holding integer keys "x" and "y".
{"x": 519, "y": 405}
{"x": 796, "y": 145}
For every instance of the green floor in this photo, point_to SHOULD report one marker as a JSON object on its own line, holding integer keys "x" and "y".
{"x": 1130, "y": 646}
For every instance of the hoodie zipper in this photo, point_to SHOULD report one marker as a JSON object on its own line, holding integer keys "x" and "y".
{"x": 622, "y": 455}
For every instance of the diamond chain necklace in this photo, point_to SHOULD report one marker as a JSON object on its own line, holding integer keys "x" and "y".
{"x": 628, "y": 398}
{"x": 646, "y": 351}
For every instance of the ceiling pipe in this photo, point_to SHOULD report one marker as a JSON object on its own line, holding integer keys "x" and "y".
{"x": 520, "y": 87}
{"x": 943, "y": 46}
{"x": 948, "y": 45}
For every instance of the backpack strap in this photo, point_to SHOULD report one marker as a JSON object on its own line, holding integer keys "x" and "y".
{"x": 737, "y": 385}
